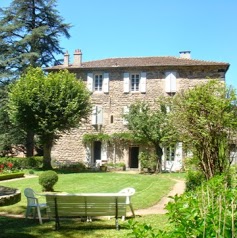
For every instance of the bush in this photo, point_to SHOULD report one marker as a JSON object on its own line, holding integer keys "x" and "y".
{"x": 210, "y": 211}
{"x": 23, "y": 163}
{"x": 194, "y": 179}
{"x": 48, "y": 179}
{"x": 148, "y": 160}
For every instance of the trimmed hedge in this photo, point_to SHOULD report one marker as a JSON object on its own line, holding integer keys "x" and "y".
{"x": 11, "y": 176}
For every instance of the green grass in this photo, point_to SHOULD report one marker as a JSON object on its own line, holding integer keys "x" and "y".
{"x": 149, "y": 190}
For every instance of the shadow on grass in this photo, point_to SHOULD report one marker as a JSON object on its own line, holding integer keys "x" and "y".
{"x": 15, "y": 227}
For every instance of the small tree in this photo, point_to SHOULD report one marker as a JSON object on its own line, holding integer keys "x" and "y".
{"x": 47, "y": 105}
{"x": 205, "y": 118}
{"x": 150, "y": 125}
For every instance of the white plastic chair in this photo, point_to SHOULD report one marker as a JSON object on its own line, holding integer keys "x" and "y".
{"x": 129, "y": 192}
{"x": 33, "y": 204}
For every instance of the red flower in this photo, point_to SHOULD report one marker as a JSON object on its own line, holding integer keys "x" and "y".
{"x": 9, "y": 165}
{"x": 1, "y": 166}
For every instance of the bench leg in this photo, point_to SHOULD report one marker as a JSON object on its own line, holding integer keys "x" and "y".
{"x": 130, "y": 205}
{"x": 116, "y": 223}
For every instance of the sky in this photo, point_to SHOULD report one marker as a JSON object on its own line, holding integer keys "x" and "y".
{"x": 128, "y": 28}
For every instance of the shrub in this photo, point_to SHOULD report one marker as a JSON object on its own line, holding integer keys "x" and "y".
{"x": 23, "y": 163}
{"x": 194, "y": 179}
{"x": 147, "y": 160}
{"x": 210, "y": 211}
{"x": 48, "y": 179}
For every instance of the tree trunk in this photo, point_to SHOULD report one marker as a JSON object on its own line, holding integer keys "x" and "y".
{"x": 30, "y": 143}
{"x": 47, "y": 147}
{"x": 159, "y": 154}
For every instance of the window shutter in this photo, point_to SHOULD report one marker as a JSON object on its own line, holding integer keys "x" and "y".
{"x": 106, "y": 83}
{"x": 173, "y": 82}
{"x": 126, "y": 83}
{"x": 94, "y": 115}
{"x": 178, "y": 152}
{"x": 90, "y": 82}
{"x": 103, "y": 152}
{"x": 125, "y": 111}
{"x": 143, "y": 82}
{"x": 170, "y": 82}
{"x": 99, "y": 115}
{"x": 88, "y": 153}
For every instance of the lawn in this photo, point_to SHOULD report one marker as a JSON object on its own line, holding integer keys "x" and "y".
{"x": 149, "y": 190}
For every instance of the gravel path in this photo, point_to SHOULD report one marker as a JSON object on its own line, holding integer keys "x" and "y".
{"x": 159, "y": 208}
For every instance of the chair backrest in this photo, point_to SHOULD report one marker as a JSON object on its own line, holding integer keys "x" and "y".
{"x": 128, "y": 191}
{"x": 30, "y": 195}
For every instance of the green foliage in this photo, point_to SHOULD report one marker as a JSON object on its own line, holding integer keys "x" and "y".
{"x": 9, "y": 134}
{"x": 23, "y": 163}
{"x": 88, "y": 138}
{"x": 141, "y": 230}
{"x": 147, "y": 160}
{"x": 48, "y": 179}
{"x": 150, "y": 125}
{"x": 29, "y": 35}
{"x": 210, "y": 211}
{"x": 11, "y": 176}
{"x": 205, "y": 118}
{"x": 194, "y": 179}
{"x": 48, "y": 104}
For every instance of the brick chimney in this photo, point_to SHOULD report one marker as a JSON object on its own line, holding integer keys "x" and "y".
{"x": 66, "y": 59}
{"x": 77, "y": 58}
{"x": 185, "y": 54}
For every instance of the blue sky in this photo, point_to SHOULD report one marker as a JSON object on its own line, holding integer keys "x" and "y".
{"x": 124, "y": 28}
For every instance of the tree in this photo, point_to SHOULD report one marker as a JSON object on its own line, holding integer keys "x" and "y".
{"x": 205, "y": 118}
{"x": 9, "y": 133}
{"x": 47, "y": 105}
{"x": 29, "y": 35}
{"x": 150, "y": 125}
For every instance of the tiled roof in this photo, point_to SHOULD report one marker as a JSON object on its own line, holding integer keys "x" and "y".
{"x": 143, "y": 61}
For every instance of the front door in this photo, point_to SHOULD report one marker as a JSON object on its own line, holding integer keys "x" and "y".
{"x": 133, "y": 157}
{"x": 97, "y": 151}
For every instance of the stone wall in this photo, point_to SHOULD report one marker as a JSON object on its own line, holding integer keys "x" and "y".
{"x": 70, "y": 147}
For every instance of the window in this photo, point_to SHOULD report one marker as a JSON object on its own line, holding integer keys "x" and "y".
{"x": 98, "y": 82}
{"x": 170, "y": 152}
{"x": 134, "y": 82}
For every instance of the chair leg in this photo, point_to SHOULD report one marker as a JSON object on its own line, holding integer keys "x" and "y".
{"x": 27, "y": 212}
{"x": 39, "y": 215}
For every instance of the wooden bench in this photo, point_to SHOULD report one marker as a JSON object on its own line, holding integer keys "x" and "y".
{"x": 88, "y": 205}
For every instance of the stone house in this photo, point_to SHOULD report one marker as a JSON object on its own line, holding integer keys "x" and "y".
{"x": 116, "y": 83}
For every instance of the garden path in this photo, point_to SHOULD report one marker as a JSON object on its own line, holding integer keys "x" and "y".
{"x": 159, "y": 208}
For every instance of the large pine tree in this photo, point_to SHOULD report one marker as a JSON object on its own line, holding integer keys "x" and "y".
{"x": 30, "y": 31}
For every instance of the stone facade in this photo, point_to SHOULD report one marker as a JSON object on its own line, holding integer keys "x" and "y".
{"x": 114, "y": 99}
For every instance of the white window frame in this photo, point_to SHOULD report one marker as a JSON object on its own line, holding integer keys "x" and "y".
{"x": 98, "y": 82}
{"x": 134, "y": 82}
{"x": 135, "y": 79}
{"x": 170, "y": 153}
